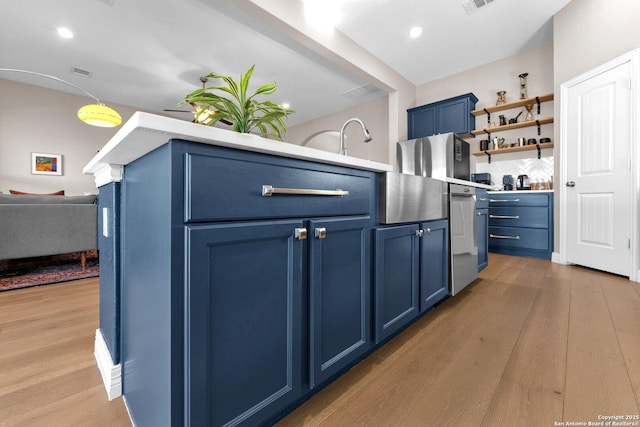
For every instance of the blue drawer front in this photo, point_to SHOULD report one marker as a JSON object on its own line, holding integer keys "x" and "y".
{"x": 482, "y": 198}
{"x": 517, "y": 237}
{"x": 519, "y": 199}
{"x": 531, "y": 216}
{"x": 226, "y": 188}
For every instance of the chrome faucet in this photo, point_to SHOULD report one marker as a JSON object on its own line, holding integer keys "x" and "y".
{"x": 367, "y": 135}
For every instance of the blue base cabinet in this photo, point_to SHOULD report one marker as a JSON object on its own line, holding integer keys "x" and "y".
{"x": 521, "y": 223}
{"x": 339, "y": 295}
{"x": 244, "y": 316}
{"x": 482, "y": 227}
{"x": 434, "y": 263}
{"x": 396, "y": 279}
{"x": 411, "y": 273}
{"x": 237, "y": 305}
{"x": 449, "y": 115}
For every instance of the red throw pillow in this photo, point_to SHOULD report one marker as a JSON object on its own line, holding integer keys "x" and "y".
{"x": 57, "y": 193}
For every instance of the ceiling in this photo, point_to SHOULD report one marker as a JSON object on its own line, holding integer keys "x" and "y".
{"x": 148, "y": 54}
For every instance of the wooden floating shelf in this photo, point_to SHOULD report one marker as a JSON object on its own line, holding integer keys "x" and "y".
{"x": 510, "y": 105}
{"x": 514, "y": 149}
{"x": 528, "y": 123}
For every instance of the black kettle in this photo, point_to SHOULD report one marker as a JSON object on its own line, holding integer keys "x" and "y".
{"x": 522, "y": 183}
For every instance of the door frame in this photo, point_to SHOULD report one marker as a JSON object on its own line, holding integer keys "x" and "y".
{"x": 632, "y": 57}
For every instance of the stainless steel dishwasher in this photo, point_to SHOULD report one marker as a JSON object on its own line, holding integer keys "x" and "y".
{"x": 462, "y": 232}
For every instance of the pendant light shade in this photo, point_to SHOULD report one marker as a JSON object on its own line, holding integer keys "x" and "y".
{"x": 99, "y": 115}
{"x": 96, "y": 114}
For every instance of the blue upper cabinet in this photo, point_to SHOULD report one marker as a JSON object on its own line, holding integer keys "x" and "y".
{"x": 449, "y": 115}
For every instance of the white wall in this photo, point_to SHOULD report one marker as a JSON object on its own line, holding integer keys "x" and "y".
{"x": 485, "y": 81}
{"x": 588, "y": 33}
{"x": 56, "y": 130}
{"x": 374, "y": 114}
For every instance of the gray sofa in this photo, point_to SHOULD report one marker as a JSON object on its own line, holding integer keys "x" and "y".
{"x": 32, "y": 226}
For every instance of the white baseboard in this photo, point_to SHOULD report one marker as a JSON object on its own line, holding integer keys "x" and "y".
{"x": 556, "y": 257}
{"x": 111, "y": 374}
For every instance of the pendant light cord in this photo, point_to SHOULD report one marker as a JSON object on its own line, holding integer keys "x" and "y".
{"x": 53, "y": 78}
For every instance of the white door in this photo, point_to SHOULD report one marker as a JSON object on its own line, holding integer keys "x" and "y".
{"x": 598, "y": 171}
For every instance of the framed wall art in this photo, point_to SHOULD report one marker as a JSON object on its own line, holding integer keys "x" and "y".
{"x": 46, "y": 164}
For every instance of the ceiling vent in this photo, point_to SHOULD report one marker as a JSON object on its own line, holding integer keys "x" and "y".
{"x": 360, "y": 92}
{"x": 80, "y": 72}
{"x": 470, "y": 6}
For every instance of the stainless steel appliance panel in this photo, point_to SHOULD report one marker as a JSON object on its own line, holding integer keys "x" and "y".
{"x": 438, "y": 156}
{"x": 409, "y": 198}
{"x": 462, "y": 232}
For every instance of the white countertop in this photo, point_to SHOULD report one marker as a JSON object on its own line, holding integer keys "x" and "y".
{"x": 145, "y": 132}
{"x": 520, "y": 191}
{"x": 469, "y": 183}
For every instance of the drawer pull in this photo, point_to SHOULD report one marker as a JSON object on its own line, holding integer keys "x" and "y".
{"x": 505, "y": 216}
{"x": 321, "y": 233}
{"x": 300, "y": 233}
{"x": 503, "y": 200}
{"x": 268, "y": 190}
{"x": 497, "y": 236}
{"x": 482, "y": 199}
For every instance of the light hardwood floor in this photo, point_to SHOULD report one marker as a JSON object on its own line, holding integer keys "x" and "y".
{"x": 528, "y": 344}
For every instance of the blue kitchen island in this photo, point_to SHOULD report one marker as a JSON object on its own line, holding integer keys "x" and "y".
{"x": 238, "y": 272}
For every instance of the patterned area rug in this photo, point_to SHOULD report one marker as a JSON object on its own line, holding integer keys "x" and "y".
{"x": 46, "y": 270}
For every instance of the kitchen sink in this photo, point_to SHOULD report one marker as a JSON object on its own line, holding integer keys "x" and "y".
{"x": 411, "y": 198}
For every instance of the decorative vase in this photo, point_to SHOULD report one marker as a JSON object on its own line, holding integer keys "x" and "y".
{"x": 501, "y": 97}
{"x": 523, "y": 85}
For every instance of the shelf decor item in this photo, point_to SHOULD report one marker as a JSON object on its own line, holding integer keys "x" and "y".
{"x": 231, "y": 102}
{"x": 523, "y": 85}
{"x": 501, "y": 97}
{"x": 529, "y": 115}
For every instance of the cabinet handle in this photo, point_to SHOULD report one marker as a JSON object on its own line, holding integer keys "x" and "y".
{"x": 321, "y": 233}
{"x": 505, "y": 216}
{"x": 300, "y": 233}
{"x": 503, "y": 200}
{"x": 497, "y": 236}
{"x": 419, "y": 233}
{"x": 482, "y": 199}
{"x": 428, "y": 231}
{"x": 268, "y": 190}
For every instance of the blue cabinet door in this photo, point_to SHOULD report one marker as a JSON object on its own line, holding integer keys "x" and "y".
{"x": 448, "y": 115}
{"x": 423, "y": 121}
{"x": 482, "y": 225}
{"x": 340, "y": 294}
{"x": 244, "y": 326}
{"x": 396, "y": 280}
{"x": 453, "y": 116}
{"x": 434, "y": 263}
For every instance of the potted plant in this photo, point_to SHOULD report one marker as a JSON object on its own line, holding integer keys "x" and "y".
{"x": 230, "y": 103}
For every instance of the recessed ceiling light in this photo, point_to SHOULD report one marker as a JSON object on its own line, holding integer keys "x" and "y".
{"x": 415, "y": 32}
{"x": 285, "y": 105}
{"x": 65, "y": 33}
{"x": 323, "y": 15}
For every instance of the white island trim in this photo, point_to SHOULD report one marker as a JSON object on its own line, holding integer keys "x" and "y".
{"x": 145, "y": 132}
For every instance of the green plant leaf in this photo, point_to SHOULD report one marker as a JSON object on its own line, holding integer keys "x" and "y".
{"x": 230, "y": 102}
